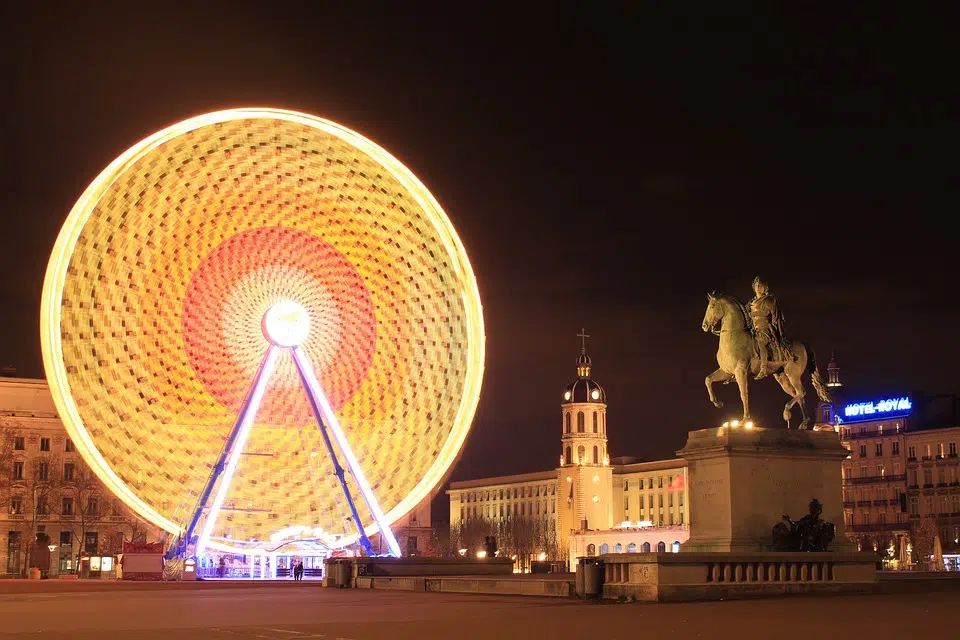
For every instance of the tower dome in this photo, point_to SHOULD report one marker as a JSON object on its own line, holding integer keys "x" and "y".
{"x": 584, "y": 388}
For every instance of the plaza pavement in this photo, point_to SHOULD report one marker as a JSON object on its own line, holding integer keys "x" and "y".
{"x": 295, "y": 611}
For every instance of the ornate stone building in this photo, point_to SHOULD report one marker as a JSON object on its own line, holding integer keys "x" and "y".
{"x": 593, "y": 503}
{"x": 46, "y": 488}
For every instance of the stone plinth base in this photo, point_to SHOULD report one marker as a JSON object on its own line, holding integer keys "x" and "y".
{"x": 677, "y": 577}
{"x": 742, "y": 481}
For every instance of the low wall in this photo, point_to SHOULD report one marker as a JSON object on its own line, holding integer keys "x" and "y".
{"x": 674, "y": 577}
{"x": 370, "y": 567}
{"x": 490, "y": 585}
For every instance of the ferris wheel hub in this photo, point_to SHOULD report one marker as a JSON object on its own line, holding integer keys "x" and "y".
{"x": 286, "y": 323}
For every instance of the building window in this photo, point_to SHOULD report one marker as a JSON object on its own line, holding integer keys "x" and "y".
{"x": 581, "y": 454}
{"x": 93, "y": 506}
{"x": 43, "y": 508}
{"x": 941, "y": 476}
{"x": 632, "y": 547}
{"x": 67, "y": 507}
{"x": 568, "y": 422}
{"x": 926, "y": 451}
{"x": 660, "y": 482}
{"x": 943, "y": 505}
{"x": 911, "y": 452}
{"x": 939, "y": 449}
{"x": 626, "y": 485}
{"x": 661, "y": 547}
{"x": 16, "y": 506}
{"x": 18, "y": 471}
{"x": 956, "y": 505}
{"x": 568, "y": 462}
{"x": 580, "y": 422}
{"x": 660, "y": 496}
{"x": 591, "y": 550}
{"x": 863, "y": 451}
{"x": 68, "y": 446}
{"x": 913, "y": 477}
{"x": 649, "y": 483}
{"x": 90, "y": 542}
{"x": 626, "y": 503}
{"x": 43, "y": 471}
{"x": 896, "y": 468}
{"x": 604, "y": 549}
{"x": 44, "y": 444}
{"x": 19, "y": 444}
{"x": 595, "y": 455}
{"x": 865, "y": 517}
{"x": 879, "y": 449}
{"x": 881, "y": 470}
{"x": 595, "y": 422}
{"x": 670, "y": 518}
{"x": 68, "y": 471}
{"x": 651, "y": 502}
{"x": 681, "y": 518}
{"x": 896, "y": 447}
{"x": 461, "y": 513}
{"x": 680, "y": 498}
{"x": 953, "y": 448}
{"x": 929, "y": 506}
{"x": 618, "y": 548}
{"x": 645, "y": 548}
{"x": 927, "y": 477}
{"x": 670, "y": 500}
{"x": 913, "y": 506}
{"x": 882, "y": 518}
{"x": 863, "y": 471}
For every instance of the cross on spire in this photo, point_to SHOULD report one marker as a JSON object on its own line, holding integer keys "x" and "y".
{"x": 583, "y": 340}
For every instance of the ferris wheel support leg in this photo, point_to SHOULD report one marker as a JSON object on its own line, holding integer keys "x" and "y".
{"x": 327, "y": 419}
{"x": 226, "y": 463}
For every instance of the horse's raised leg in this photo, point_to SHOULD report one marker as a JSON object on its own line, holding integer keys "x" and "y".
{"x": 742, "y": 375}
{"x": 717, "y": 376}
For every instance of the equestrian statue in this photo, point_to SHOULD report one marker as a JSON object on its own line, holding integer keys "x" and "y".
{"x": 752, "y": 344}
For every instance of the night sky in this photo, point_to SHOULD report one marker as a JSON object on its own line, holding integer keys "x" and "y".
{"x": 604, "y": 170}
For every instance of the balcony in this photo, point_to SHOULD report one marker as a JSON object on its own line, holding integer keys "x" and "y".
{"x": 880, "y": 503}
{"x": 848, "y": 504}
{"x": 894, "y": 501}
{"x": 888, "y": 526}
{"x": 864, "y": 503}
{"x": 870, "y": 479}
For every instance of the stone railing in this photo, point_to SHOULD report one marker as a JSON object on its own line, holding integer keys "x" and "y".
{"x": 693, "y": 576}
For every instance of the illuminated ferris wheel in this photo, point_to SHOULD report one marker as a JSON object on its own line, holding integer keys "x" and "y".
{"x": 257, "y": 320}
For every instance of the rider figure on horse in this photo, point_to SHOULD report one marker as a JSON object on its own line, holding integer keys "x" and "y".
{"x": 767, "y": 327}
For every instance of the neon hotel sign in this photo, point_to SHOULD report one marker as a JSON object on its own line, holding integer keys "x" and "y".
{"x": 887, "y": 408}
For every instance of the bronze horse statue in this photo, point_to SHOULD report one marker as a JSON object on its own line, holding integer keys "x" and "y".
{"x": 738, "y": 357}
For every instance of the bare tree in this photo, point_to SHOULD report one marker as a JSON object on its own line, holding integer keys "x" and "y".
{"x": 81, "y": 502}
{"x": 39, "y": 488}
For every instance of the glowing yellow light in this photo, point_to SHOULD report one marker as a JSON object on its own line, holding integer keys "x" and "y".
{"x": 595, "y": 394}
{"x": 566, "y": 395}
{"x": 569, "y": 479}
{"x": 596, "y": 498}
{"x": 286, "y": 323}
{"x": 149, "y": 249}
{"x": 726, "y": 424}
{"x": 542, "y": 556}
{"x": 596, "y": 478}
{"x": 749, "y": 425}
{"x": 735, "y": 423}
{"x": 481, "y": 554}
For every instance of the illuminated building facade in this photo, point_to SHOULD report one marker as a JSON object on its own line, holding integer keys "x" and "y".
{"x": 46, "y": 487}
{"x": 592, "y": 502}
{"x": 903, "y": 468}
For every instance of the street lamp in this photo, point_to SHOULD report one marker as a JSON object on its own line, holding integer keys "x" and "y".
{"x": 51, "y": 547}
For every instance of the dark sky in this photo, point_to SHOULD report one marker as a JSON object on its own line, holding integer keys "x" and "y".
{"x": 604, "y": 169}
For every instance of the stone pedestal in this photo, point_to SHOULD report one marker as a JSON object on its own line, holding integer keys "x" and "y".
{"x": 742, "y": 481}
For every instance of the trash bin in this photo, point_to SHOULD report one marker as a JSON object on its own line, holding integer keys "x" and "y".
{"x": 589, "y": 577}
